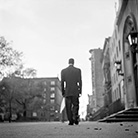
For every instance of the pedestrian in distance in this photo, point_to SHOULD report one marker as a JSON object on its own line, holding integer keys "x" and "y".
{"x": 71, "y": 86}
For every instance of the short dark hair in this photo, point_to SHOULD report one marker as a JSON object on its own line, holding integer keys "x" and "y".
{"x": 71, "y": 61}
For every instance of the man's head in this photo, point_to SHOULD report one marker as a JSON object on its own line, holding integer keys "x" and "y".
{"x": 71, "y": 61}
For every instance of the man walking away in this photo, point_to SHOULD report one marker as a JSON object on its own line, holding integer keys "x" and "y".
{"x": 71, "y": 85}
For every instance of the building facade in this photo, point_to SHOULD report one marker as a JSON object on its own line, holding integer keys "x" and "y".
{"x": 52, "y": 97}
{"x": 97, "y": 79}
{"x": 119, "y": 63}
{"x": 123, "y": 59}
{"x": 125, "y": 86}
{"x": 106, "y": 75}
{"x": 115, "y": 51}
{"x": 90, "y": 107}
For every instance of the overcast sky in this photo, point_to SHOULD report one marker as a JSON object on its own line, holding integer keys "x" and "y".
{"x": 49, "y": 32}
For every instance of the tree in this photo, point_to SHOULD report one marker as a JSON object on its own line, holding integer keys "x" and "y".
{"x": 29, "y": 73}
{"x": 8, "y": 57}
{"x": 10, "y": 60}
{"x": 12, "y": 88}
{"x": 8, "y": 89}
{"x": 26, "y": 94}
{"x": 26, "y": 90}
{"x": 18, "y": 92}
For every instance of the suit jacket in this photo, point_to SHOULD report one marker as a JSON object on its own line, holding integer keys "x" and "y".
{"x": 71, "y": 83}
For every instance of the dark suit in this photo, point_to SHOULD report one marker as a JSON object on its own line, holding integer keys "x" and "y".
{"x": 71, "y": 85}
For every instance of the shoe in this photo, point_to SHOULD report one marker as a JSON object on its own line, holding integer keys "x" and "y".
{"x": 76, "y": 122}
{"x": 71, "y": 123}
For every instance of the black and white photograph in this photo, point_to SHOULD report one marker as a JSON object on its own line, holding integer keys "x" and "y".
{"x": 68, "y": 68}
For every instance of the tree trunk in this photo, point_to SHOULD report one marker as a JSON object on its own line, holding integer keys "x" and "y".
{"x": 24, "y": 110}
{"x": 10, "y": 115}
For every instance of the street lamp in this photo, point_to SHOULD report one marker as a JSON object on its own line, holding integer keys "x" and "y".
{"x": 118, "y": 65}
{"x": 133, "y": 41}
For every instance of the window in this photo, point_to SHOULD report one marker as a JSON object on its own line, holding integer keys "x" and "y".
{"x": 34, "y": 114}
{"x": 52, "y": 88}
{"x": 52, "y": 108}
{"x": 52, "y": 101}
{"x": 52, "y": 95}
{"x": 119, "y": 45}
{"x": 52, "y": 82}
{"x": 45, "y": 83}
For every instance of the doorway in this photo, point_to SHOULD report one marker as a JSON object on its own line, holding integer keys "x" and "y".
{"x": 130, "y": 65}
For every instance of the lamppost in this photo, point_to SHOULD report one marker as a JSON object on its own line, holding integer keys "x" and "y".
{"x": 118, "y": 65}
{"x": 133, "y": 41}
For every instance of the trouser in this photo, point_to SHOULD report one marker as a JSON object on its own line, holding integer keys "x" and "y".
{"x": 72, "y": 107}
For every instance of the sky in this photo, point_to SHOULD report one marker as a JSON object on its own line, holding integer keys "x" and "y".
{"x": 49, "y": 32}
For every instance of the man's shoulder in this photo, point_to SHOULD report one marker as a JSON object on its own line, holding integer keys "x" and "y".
{"x": 70, "y": 68}
{"x": 77, "y": 68}
{"x": 63, "y": 70}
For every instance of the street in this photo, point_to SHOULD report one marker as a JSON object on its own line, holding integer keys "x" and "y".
{"x": 63, "y": 130}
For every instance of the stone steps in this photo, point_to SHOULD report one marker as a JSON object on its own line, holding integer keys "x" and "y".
{"x": 125, "y": 115}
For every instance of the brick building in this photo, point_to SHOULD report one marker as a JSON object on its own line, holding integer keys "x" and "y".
{"x": 51, "y": 93}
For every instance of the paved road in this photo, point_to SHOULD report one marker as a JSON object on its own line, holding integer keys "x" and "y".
{"x": 62, "y": 130}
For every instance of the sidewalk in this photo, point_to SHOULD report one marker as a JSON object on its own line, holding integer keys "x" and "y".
{"x": 62, "y": 130}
